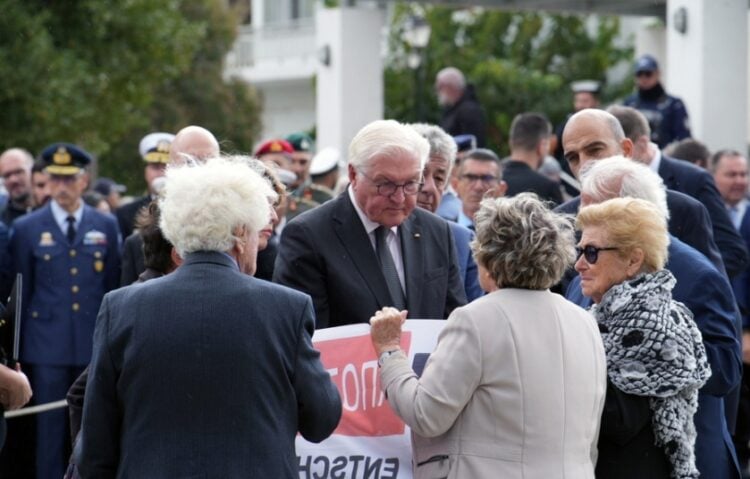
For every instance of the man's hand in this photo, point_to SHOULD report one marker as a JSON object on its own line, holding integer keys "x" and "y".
{"x": 15, "y": 390}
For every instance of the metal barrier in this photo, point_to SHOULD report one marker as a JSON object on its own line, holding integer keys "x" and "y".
{"x": 37, "y": 409}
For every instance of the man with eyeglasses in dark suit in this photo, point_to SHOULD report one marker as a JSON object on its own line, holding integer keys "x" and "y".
{"x": 371, "y": 247}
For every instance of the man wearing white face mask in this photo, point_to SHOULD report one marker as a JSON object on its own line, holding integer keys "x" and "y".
{"x": 462, "y": 113}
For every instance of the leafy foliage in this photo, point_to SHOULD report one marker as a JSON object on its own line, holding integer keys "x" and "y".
{"x": 517, "y": 62}
{"x": 103, "y": 74}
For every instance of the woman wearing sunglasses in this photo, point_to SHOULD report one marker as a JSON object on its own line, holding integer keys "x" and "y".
{"x": 516, "y": 385}
{"x": 656, "y": 361}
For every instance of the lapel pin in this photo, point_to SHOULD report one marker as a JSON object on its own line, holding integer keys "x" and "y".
{"x": 416, "y": 235}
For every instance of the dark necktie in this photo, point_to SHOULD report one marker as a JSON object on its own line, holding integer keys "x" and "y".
{"x": 389, "y": 268}
{"x": 71, "y": 229}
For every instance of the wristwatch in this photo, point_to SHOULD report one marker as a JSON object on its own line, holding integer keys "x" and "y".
{"x": 385, "y": 355}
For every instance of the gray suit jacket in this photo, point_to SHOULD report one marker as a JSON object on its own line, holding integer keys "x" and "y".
{"x": 205, "y": 372}
{"x": 327, "y": 254}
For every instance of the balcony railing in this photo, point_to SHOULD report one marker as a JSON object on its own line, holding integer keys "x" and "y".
{"x": 272, "y": 44}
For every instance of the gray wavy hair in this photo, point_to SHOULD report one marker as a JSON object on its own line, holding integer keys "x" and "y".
{"x": 521, "y": 243}
{"x": 442, "y": 145}
{"x": 202, "y": 205}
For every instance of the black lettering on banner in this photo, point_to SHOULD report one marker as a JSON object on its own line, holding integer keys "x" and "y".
{"x": 348, "y": 467}
{"x": 324, "y": 460}
{"x": 338, "y": 470}
{"x": 304, "y": 468}
{"x": 393, "y": 462}
{"x": 355, "y": 460}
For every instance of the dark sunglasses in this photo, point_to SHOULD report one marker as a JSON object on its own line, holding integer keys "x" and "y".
{"x": 590, "y": 253}
{"x": 644, "y": 74}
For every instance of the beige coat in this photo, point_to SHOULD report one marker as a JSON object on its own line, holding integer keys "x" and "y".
{"x": 514, "y": 389}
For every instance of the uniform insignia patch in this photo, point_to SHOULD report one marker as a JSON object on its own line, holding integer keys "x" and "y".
{"x": 95, "y": 237}
{"x": 46, "y": 239}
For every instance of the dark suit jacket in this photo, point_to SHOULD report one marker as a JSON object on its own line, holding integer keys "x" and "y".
{"x": 521, "y": 178}
{"x": 132, "y": 259}
{"x": 126, "y": 214}
{"x": 462, "y": 237}
{"x": 707, "y": 294}
{"x": 741, "y": 282}
{"x": 688, "y": 221}
{"x": 205, "y": 372}
{"x": 327, "y": 253}
{"x": 693, "y": 181}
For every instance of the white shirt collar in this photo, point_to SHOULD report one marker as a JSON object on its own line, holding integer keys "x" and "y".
{"x": 370, "y": 226}
{"x": 656, "y": 159}
{"x": 61, "y": 216}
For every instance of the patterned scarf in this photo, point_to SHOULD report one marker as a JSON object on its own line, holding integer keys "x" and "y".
{"x": 655, "y": 349}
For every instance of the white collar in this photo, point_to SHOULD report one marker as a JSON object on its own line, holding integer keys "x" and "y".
{"x": 61, "y": 216}
{"x": 370, "y": 226}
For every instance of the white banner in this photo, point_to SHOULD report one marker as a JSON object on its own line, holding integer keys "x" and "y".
{"x": 370, "y": 442}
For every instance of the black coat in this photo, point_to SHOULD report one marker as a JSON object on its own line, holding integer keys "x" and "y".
{"x": 126, "y": 215}
{"x": 521, "y": 178}
{"x": 626, "y": 439}
{"x": 466, "y": 117}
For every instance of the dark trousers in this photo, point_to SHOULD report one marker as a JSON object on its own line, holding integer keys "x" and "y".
{"x": 51, "y": 383}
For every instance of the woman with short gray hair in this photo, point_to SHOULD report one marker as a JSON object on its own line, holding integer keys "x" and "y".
{"x": 516, "y": 385}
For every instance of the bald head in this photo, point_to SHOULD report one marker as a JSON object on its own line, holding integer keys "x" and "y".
{"x": 593, "y": 134}
{"x": 15, "y": 169}
{"x": 193, "y": 141}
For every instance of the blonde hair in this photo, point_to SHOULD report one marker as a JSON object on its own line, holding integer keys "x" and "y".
{"x": 631, "y": 223}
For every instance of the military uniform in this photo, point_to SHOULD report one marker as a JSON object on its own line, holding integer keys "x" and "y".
{"x": 154, "y": 149}
{"x": 63, "y": 285}
{"x": 311, "y": 192}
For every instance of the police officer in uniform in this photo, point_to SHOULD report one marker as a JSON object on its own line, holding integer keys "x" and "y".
{"x": 302, "y": 159}
{"x": 68, "y": 254}
{"x": 666, "y": 114}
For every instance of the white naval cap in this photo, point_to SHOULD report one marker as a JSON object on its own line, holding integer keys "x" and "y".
{"x": 325, "y": 160}
{"x": 154, "y": 147}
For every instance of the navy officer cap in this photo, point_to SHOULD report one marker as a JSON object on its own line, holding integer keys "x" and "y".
{"x": 65, "y": 159}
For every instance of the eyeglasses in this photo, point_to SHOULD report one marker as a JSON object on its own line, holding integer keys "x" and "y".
{"x": 591, "y": 253}
{"x": 644, "y": 74}
{"x": 484, "y": 179}
{"x": 388, "y": 188}
{"x": 8, "y": 174}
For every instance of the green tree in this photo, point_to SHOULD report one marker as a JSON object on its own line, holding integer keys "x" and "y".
{"x": 517, "y": 61}
{"x": 103, "y": 74}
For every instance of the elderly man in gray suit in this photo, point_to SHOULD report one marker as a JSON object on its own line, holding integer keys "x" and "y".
{"x": 206, "y": 372}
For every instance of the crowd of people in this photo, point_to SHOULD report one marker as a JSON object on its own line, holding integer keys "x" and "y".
{"x": 594, "y": 285}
